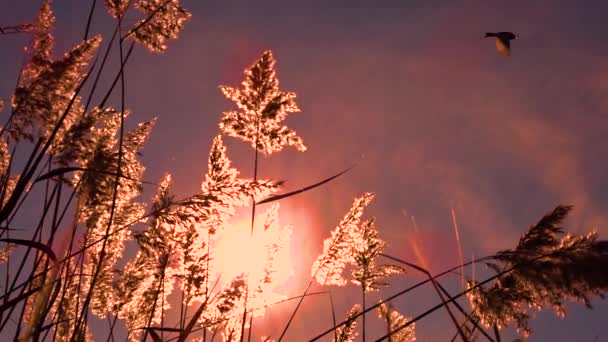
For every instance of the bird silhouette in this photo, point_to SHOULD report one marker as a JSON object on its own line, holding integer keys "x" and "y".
{"x": 503, "y": 41}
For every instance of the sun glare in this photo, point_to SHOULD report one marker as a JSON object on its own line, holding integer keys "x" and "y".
{"x": 264, "y": 256}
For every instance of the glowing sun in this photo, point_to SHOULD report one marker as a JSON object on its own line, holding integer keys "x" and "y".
{"x": 264, "y": 256}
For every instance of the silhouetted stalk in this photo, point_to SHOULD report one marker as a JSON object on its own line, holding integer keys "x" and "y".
{"x": 80, "y": 262}
{"x": 207, "y": 275}
{"x": 19, "y": 205}
{"x": 250, "y": 327}
{"x": 218, "y": 323}
{"x": 6, "y": 280}
{"x": 101, "y": 67}
{"x": 16, "y": 300}
{"x": 244, "y": 310}
{"x": 117, "y": 29}
{"x": 5, "y": 179}
{"x": 55, "y": 218}
{"x": 30, "y": 168}
{"x": 24, "y": 261}
{"x": 255, "y": 179}
{"x": 333, "y": 315}
{"x": 400, "y": 293}
{"x": 24, "y": 180}
{"x": 6, "y": 210}
{"x": 12, "y": 114}
{"x": 475, "y": 325}
{"x": 14, "y": 29}
{"x": 293, "y": 314}
{"x": 496, "y": 332}
{"x": 467, "y": 317}
{"x": 89, "y": 20}
{"x": 453, "y": 298}
{"x": 160, "y": 284}
{"x": 102, "y": 252}
{"x": 144, "y": 22}
{"x": 37, "y": 259}
{"x": 66, "y": 267}
{"x": 214, "y": 333}
{"x": 86, "y": 245}
{"x": 273, "y": 198}
{"x": 112, "y": 325}
{"x": 47, "y": 329}
{"x": 436, "y": 286}
{"x": 17, "y": 198}
{"x": 186, "y": 308}
{"x": 162, "y": 313}
{"x": 363, "y": 309}
{"x": 49, "y": 304}
{"x": 181, "y": 312}
{"x": 255, "y": 169}
{"x": 54, "y": 227}
{"x": 117, "y": 77}
{"x": 187, "y": 330}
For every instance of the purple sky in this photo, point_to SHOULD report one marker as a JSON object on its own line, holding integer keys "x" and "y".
{"x": 433, "y": 116}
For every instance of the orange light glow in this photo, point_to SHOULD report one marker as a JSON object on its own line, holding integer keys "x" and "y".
{"x": 459, "y": 245}
{"x": 415, "y": 246}
{"x": 264, "y": 257}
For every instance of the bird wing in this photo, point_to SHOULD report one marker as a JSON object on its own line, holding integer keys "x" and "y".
{"x": 503, "y": 47}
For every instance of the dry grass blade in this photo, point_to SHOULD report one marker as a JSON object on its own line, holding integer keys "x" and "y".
{"x": 333, "y": 315}
{"x": 34, "y": 244}
{"x": 12, "y": 302}
{"x": 304, "y": 189}
{"x": 154, "y": 336}
{"x": 165, "y": 329}
{"x": 25, "y": 28}
{"x": 63, "y": 170}
{"x": 437, "y": 286}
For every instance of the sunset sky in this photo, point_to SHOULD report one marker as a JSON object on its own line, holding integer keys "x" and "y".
{"x": 431, "y": 115}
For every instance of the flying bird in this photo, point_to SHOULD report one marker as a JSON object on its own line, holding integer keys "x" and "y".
{"x": 503, "y": 41}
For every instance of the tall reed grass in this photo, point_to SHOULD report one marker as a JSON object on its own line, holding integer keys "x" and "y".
{"x": 61, "y": 144}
